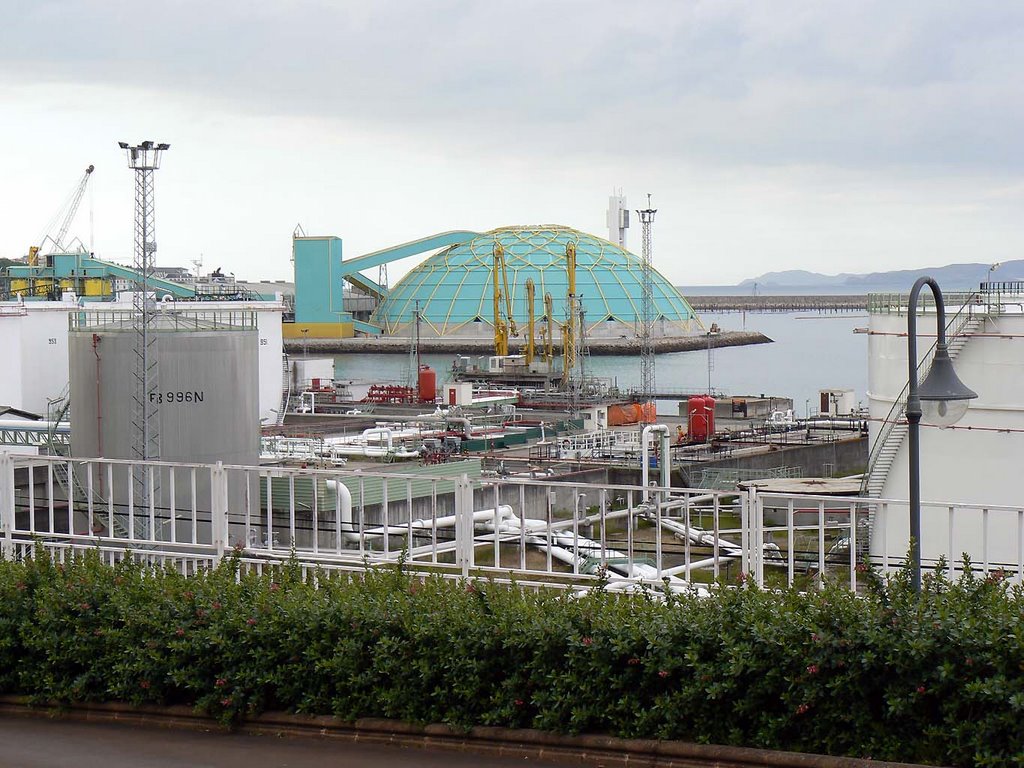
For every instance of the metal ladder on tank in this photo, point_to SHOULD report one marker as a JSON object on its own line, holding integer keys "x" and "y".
{"x": 286, "y": 390}
{"x": 57, "y": 412}
{"x": 894, "y": 428}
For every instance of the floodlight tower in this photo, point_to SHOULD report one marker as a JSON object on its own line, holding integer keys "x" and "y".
{"x": 646, "y": 310}
{"x": 144, "y": 159}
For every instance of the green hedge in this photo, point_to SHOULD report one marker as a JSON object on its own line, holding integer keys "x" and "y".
{"x": 888, "y": 675}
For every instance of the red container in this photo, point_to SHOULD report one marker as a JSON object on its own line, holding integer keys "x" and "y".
{"x": 696, "y": 422}
{"x": 700, "y": 411}
{"x": 427, "y": 384}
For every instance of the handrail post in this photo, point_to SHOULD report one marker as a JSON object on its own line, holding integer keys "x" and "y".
{"x": 7, "y": 521}
{"x": 745, "y": 537}
{"x": 463, "y": 524}
{"x": 219, "y": 509}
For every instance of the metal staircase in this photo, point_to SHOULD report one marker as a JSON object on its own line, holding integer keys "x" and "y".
{"x": 894, "y": 428}
{"x": 286, "y": 390}
{"x": 63, "y": 474}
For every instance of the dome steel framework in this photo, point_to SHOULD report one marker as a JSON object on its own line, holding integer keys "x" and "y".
{"x": 453, "y": 288}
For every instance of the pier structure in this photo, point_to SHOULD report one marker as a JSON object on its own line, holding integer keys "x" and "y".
{"x": 813, "y": 303}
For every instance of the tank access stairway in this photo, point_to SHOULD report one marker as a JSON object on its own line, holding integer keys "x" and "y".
{"x": 894, "y": 428}
{"x": 286, "y": 391}
{"x": 63, "y": 473}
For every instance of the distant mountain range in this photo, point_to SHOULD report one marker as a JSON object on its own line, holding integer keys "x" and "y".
{"x": 949, "y": 277}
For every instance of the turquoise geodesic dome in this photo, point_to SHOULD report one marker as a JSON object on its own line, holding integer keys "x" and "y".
{"x": 454, "y": 287}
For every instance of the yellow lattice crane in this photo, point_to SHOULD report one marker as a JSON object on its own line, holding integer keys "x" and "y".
{"x": 548, "y": 333}
{"x": 504, "y": 324}
{"x": 531, "y": 350}
{"x": 569, "y": 329}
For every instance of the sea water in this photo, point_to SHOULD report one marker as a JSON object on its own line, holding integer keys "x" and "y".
{"x": 809, "y": 352}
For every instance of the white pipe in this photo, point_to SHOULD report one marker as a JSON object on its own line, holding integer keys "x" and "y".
{"x": 380, "y": 431}
{"x": 698, "y": 564}
{"x": 345, "y": 516}
{"x": 698, "y": 536}
{"x": 35, "y": 426}
{"x": 467, "y": 425}
{"x": 676, "y": 586}
{"x": 372, "y": 451}
{"x": 344, "y": 503}
{"x": 540, "y": 534}
{"x": 645, "y": 453}
{"x": 447, "y": 521}
{"x": 681, "y": 502}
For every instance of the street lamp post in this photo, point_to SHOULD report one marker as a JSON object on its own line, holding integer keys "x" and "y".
{"x": 712, "y": 331}
{"x": 579, "y": 498}
{"x": 992, "y": 268}
{"x": 940, "y": 400}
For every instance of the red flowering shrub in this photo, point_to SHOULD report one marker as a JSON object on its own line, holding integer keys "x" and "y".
{"x": 936, "y": 677}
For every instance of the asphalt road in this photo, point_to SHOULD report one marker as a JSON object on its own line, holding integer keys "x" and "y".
{"x": 45, "y": 743}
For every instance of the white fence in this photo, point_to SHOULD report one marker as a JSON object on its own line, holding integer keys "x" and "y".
{"x": 532, "y": 531}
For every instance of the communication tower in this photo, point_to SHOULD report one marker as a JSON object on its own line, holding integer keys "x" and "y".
{"x": 646, "y": 309}
{"x": 618, "y": 219}
{"x": 144, "y": 159}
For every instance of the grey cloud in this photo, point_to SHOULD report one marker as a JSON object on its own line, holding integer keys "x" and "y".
{"x": 866, "y": 84}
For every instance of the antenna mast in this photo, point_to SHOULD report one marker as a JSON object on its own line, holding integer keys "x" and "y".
{"x": 646, "y": 311}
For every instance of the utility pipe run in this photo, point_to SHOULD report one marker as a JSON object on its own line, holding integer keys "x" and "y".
{"x": 344, "y": 496}
{"x": 380, "y": 431}
{"x": 666, "y": 468}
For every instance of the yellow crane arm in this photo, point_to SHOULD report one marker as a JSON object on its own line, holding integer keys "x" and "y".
{"x": 569, "y": 329}
{"x": 530, "y": 327}
{"x": 549, "y": 337}
{"x": 500, "y": 329}
{"x": 512, "y": 330}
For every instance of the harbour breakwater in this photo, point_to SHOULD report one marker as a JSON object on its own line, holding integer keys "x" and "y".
{"x": 818, "y": 303}
{"x": 483, "y": 346}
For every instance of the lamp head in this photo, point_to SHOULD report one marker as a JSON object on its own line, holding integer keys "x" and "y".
{"x": 944, "y": 398}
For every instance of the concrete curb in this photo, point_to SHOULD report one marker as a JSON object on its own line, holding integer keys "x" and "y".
{"x": 526, "y": 744}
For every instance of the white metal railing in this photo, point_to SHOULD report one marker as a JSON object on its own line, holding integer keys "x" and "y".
{"x": 172, "y": 318}
{"x": 567, "y": 535}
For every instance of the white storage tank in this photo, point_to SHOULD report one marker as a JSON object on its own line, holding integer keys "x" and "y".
{"x": 205, "y": 396}
{"x": 314, "y": 372}
{"x": 204, "y": 387}
{"x": 977, "y": 460}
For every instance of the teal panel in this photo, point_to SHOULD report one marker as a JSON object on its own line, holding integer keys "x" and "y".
{"x": 318, "y": 285}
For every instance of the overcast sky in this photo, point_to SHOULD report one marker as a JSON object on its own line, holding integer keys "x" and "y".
{"x": 822, "y": 135}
